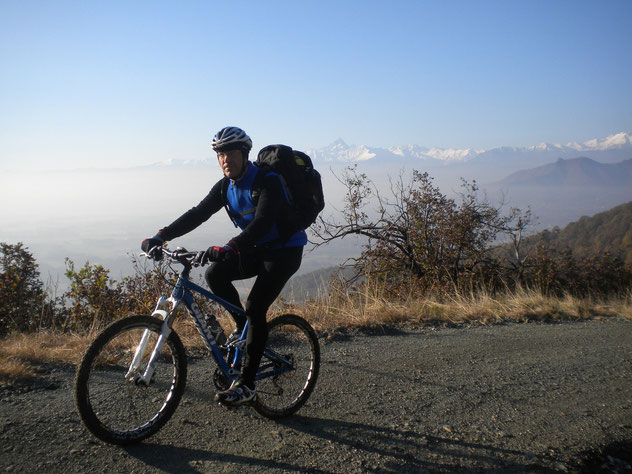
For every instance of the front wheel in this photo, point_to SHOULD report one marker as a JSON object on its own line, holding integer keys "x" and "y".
{"x": 289, "y": 367}
{"x": 111, "y": 401}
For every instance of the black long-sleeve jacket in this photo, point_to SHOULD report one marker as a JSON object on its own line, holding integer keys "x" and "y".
{"x": 270, "y": 204}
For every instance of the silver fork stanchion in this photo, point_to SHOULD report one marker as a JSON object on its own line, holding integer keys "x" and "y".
{"x": 142, "y": 346}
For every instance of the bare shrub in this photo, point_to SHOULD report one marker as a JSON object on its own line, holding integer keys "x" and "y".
{"x": 416, "y": 231}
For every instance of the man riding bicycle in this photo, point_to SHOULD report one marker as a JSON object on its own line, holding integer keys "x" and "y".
{"x": 254, "y": 202}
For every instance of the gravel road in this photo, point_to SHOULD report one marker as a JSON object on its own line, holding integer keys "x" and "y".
{"x": 507, "y": 398}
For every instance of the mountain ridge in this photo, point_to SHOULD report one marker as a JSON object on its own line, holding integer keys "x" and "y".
{"x": 607, "y": 231}
{"x": 581, "y": 171}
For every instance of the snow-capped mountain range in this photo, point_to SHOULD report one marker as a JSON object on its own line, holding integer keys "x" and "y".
{"x": 485, "y": 165}
{"x": 340, "y": 152}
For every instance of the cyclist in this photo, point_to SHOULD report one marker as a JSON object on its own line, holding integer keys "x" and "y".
{"x": 261, "y": 249}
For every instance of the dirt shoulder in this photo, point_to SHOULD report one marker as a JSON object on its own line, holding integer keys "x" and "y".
{"x": 508, "y": 398}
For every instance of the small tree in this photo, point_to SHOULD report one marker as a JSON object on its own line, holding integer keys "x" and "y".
{"x": 22, "y": 297}
{"x": 515, "y": 255}
{"x": 417, "y": 232}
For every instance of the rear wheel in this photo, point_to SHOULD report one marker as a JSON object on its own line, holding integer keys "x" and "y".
{"x": 289, "y": 367}
{"x": 113, "y": 405}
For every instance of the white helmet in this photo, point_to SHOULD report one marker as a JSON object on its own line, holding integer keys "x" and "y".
{"x": 232, "y": 138}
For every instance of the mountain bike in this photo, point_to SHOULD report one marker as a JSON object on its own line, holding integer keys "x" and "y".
{"x": 132, "y": 377}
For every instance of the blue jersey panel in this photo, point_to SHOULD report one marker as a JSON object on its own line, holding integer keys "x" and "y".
{"x": 242, "y": 206}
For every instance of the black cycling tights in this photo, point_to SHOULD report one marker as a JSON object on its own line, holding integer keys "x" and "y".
{"x": 273, "y": 268}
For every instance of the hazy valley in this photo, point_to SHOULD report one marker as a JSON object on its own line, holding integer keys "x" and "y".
{"x": 102, "y": 215}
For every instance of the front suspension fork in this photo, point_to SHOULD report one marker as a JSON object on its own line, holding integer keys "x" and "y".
{"x": 165, "y": 331}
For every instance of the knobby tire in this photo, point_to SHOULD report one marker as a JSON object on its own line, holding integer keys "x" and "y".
{"x": 293, "y": 339}
{"x": 120, "y": 411}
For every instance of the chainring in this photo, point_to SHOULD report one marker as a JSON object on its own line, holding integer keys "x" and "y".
{"x": 220, "y": 381}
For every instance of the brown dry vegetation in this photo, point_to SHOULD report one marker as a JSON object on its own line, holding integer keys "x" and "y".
{"x": 22, "y": 355}
{"x": 370, "y": 307}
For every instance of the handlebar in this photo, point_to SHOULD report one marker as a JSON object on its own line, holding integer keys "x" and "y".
{"x": 180, "y": 255}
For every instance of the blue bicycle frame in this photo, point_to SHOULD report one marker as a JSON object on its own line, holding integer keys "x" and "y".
{"x": 272, "y": 363}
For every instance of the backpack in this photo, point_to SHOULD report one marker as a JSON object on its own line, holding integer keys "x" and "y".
{"x": 302, "y": 183}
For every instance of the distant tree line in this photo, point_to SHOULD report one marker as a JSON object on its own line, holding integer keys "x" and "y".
{"x": 418, "y": 239}
{"x": 608, "y": 232}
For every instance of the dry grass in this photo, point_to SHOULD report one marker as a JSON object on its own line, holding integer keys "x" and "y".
{"x": 370, "y": 307}
{"x": 22, "y": 354}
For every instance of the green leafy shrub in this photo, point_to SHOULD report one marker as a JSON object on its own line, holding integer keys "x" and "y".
{"x": 22, "y": 296}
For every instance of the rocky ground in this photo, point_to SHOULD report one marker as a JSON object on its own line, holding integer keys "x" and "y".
{"x": 507, "y": 398}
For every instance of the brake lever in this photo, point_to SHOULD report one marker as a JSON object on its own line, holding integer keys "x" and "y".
{"x": 149, "y": 253}
{"x": 197, "y": 260}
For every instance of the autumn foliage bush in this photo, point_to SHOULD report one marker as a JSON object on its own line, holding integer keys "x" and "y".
{"x": 92, "y": 300}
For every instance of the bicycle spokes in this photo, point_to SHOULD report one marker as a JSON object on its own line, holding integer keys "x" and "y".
{"x": 118, "y": 398}
{"x": 289, "y": 368}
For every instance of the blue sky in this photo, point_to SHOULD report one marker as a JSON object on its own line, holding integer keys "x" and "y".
{"x": 86, "y": 84}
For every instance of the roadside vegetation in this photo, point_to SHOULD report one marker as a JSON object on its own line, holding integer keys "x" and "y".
{"x": 428, "y": 260}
